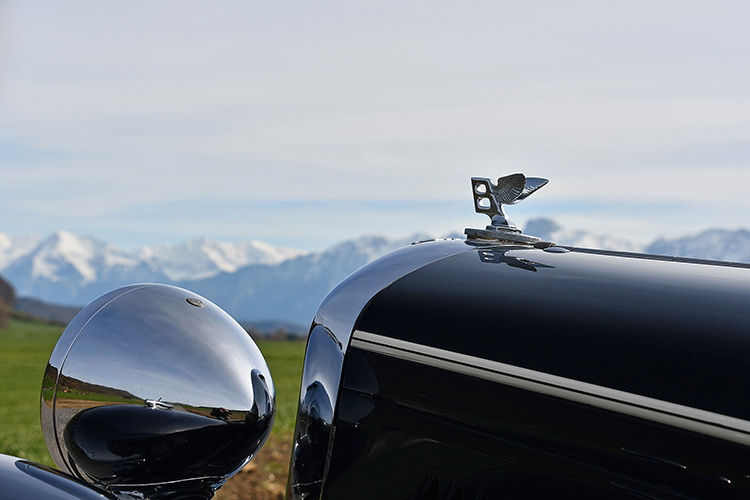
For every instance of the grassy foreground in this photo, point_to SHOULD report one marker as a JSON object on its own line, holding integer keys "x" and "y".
{"x": 25, "y": 348}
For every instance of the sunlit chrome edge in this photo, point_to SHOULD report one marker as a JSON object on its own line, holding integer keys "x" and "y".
{"x": 683, "y": 417}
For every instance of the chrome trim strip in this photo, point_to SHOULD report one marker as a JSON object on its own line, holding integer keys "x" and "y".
{"x": 663, "y": 412}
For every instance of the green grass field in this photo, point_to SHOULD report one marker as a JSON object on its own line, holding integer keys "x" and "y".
{"x": 25, "y": 348}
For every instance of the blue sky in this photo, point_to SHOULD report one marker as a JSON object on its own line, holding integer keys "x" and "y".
{"x": 304, "y": 123}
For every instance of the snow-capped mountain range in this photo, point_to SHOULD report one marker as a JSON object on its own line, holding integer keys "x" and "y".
{"x": 203, "y": 258}
{"x": 255, "y": 281}
{"x": 714, "y": 244}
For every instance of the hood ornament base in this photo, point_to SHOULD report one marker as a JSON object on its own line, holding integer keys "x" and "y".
{"x": 489, "y": 199}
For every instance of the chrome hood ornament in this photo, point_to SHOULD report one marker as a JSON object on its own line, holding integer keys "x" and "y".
{"x": 489, "y": 199}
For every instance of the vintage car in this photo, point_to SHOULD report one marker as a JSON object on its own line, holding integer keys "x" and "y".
{"x": 492, "y": 367}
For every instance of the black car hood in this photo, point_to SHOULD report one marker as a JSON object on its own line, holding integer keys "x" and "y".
{"x": 673, "y": 331}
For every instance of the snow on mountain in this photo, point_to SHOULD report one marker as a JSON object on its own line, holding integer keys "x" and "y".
{"x": 65, "y": 268}
{"x": 87, "y": 256}
{"x": 13, "y": 247}
{"x": 717, "y": 244}
{"x": 203, "y": 258}
{"x": 68, "y": 269}
{"x": 66, "y": 256}
{"x": 549, "y": 230}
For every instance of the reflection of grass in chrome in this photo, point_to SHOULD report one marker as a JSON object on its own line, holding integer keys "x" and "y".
{"x": 25, "y": 348}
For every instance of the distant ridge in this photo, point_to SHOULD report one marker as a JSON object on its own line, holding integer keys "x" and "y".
{"x": 202, "y": 258}
{"x": 549, "y": 230}
{"x": 54, "y": 313}
{"x": 717, "y": 244}
{"x": 64, "y": 268}
{"x": 276, "y": 330}
{"x": 256, "y": 282}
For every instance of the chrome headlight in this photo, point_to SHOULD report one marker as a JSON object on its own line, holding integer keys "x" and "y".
{"x": 151, "y": 391}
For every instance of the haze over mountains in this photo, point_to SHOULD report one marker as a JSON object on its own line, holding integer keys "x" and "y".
{"x": 254, "y": 281}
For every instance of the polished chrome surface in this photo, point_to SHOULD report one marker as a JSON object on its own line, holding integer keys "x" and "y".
{"x": 21, "y": 479}
{"x": 153, "y": 390}
{"x": 489, "y": 199}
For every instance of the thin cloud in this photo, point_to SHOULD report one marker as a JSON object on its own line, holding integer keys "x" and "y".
{"x": 105, "y": 110}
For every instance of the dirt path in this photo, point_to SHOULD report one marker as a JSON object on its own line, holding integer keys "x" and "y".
{"x": 264, "y": 478}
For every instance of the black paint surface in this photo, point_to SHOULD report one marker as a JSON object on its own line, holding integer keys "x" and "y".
{"x": 677, "y": 332}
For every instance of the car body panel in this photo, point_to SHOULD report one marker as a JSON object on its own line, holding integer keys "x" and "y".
{"x": 554, "y": 370}
{"x": 672, "y": 331}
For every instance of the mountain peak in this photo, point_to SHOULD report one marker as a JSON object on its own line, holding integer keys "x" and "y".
{"x": 61, "y": 234}
{"x": 203, "y": 257}
{"x": 63, "y": 250}
{"x": 15, "y": 247}
{"x": 549, "y": 230}
{"x": 717, "y": 244}
{"x": 63, "y": 240}
{"x": 542, "y": 227}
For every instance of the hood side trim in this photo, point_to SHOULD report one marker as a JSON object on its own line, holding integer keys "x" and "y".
{"x": 663, "y": 412}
